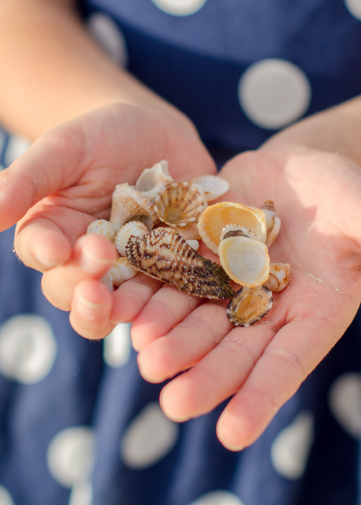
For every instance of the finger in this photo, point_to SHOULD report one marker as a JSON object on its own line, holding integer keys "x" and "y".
{"x": 165, "y": 309}
{"x": 93, "y": 255}
{"x": 91, "y": 307}
{"x": 185, "y": 344}
{"x": 218, "y": 375}
{"x": 132, "y": 296}
{"x": 277, "y": 375}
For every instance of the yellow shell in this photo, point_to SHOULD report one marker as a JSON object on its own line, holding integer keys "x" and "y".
{"x": 178, "y": 204}
{"x": 215, "y": 217}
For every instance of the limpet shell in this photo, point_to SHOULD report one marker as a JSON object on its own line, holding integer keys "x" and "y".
{"x": 279, "y": 277}
{"x": 164, "y": 255}
{"x": 136, "y": 228}
{"x": 249, "y": 305}
{"x": 102, "y": 227}
{"x": 179, "y": 203}
{"x": 213, "y": 186}
{"x": 152, "y": 180}
{"x": 130, "y": 204}
{"x": 215, "y": 217}
{"x": 245, "y": 260}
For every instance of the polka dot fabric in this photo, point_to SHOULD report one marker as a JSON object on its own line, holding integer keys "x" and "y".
{"x": 79, "y": 425}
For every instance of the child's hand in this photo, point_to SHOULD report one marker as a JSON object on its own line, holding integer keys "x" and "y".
{"x": 66, "y": 180}
{"x": 317, "y": 195}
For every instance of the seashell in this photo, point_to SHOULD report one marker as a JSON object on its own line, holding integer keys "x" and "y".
{"x": 164, "y": 255}
{"x": 273, "y": 222}
{"x": 102, "y": 227}
{"x": 179, "y": 203}
{"x": 189, "y": 231}
{"x": 136, "y": 228}
{"x": 194, "y": 244}
{"x": 215, "y": 217}
{"x": 152, "y": 180}
{"x": 279, "y": 277}
{"x": 234, "y": 230}
{"x": 245, "y": 260}
{"x": 213, "y": 186}
{"x": 249, "y": 305}
{"x": 130, "y": 204}
{"x": 121, "y": 271}
{"x": 108, "y": 281}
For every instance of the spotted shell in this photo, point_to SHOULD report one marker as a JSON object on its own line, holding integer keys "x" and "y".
{"x": 178, "y": 204}
{"x": 245, "y": 260}
{"x": 215, "y": 217}
{"x": 130, "y": 204}
{"x": 249, "y": 305}
{"x": 213, "y": 186}
{"x": 152, "y": 180}
{"x": 279, "y": 276}
{"x": 164, "y": 255}
{"x": 102, "y": 227}
{"x": 136, "y": 228}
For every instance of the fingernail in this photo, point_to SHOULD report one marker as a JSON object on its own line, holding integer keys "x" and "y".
{"x": 91, "y": 263}
{"x": 46, "y": 262}
{"x": 88, "y": 309}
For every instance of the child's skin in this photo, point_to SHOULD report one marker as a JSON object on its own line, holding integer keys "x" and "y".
{"x": 311, "y": 171}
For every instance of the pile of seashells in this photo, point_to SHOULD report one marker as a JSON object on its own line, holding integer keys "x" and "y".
{"x": 156, "y": 226}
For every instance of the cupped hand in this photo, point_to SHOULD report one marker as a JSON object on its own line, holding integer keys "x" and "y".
{"x": 317, "y": 195}
{"x": 66, "y": 180}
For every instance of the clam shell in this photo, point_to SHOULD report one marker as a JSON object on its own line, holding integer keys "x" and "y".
{"x": 130, "y": 204}
{"x": 245, "y": 260}
{"x": 279, "y": 276}
{"x": 213, "y": 186}
{"x": 164, "y": 255}
{"x": 178, "y": 204}
{"x": 249, "y": 305}
{"x": 234, "y": 230}
{"x": 215, "y": 217}
{"x": 136, "y": 228}
{"x": 103, "y": 228}
{"x": 152, "y": 180}
{"x": 121, "y": 271}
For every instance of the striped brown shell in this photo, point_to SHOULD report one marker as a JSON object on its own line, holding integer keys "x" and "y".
{"x": 164, "y": 255}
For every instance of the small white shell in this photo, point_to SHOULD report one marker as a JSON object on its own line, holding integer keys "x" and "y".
{"x": 132, "y": 228}
{"x": 152, "y": 180}
{"x": 121, "y": 271}
{"x": 273, "y": 222}
{"x": 108, "y": 281}
{"x": 245, "y": 260}
{"x": 279, "y": 277}
{"x": 130, "y": 204}
{"x": 103, "y": 228}
{"x": 249, "y": 305}
{"x": 194, "y": 244}
{"x": 273, "y": 230}
{"x": 179, "y": 203}
{"x": 213, "y": 186}
{"x": 235, "y": 230}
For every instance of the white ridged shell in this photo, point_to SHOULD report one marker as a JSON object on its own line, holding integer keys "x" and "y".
{"x": 152, "y": 180}
{"x": 249, "y": 305}
{"x": 178, "y": 204}
{"x": 279, "y": 277}
{"x": 121, "y": 271}
{"x": 103, "y": 228}
{"x": 213, "y": 186}
{"x": 132, "y": 228}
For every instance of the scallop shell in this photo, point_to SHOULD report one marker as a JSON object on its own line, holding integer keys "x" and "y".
{"x": 273, "y": 222}
{"x": 249, "y": 305}
{"x": 179, "y": 203}
{"x": 136, "y": 228}
{"x": 279, "y": 277}
{"x": 130, "y": 204}
{"x": 245, "y": 260}
{"x": 216, "y": 217}
{"x": 164, "y": 255}
{"x": 103, "y": 228}
{"x": 234, "y": 230}
{"x": 212, "y": 185}
{"x": 121, "y": 271}
{"x": 152, "y": 180}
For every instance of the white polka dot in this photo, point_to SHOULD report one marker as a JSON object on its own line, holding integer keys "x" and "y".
{"x": 218, "y": 498}
{"x": 109, "y": 36}
{"x": 81, "y": 494}
{"x": 71, "y": 455}
{"x": 27, "y": 348}
{"x": 5, "y": 498}
{"x": 17, "y": 146}
{"x": 149, "y": 437}
{"x": 117, "y": 346}
{"x": 344, "y": 401}
{"x": 354, "y": 7}
{"x": 274, "y": 93}
{"x": 290, "y": 449}
{"x": 179, "y": 7}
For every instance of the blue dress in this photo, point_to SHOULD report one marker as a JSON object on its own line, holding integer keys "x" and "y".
{"x": 78, "y": 425}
